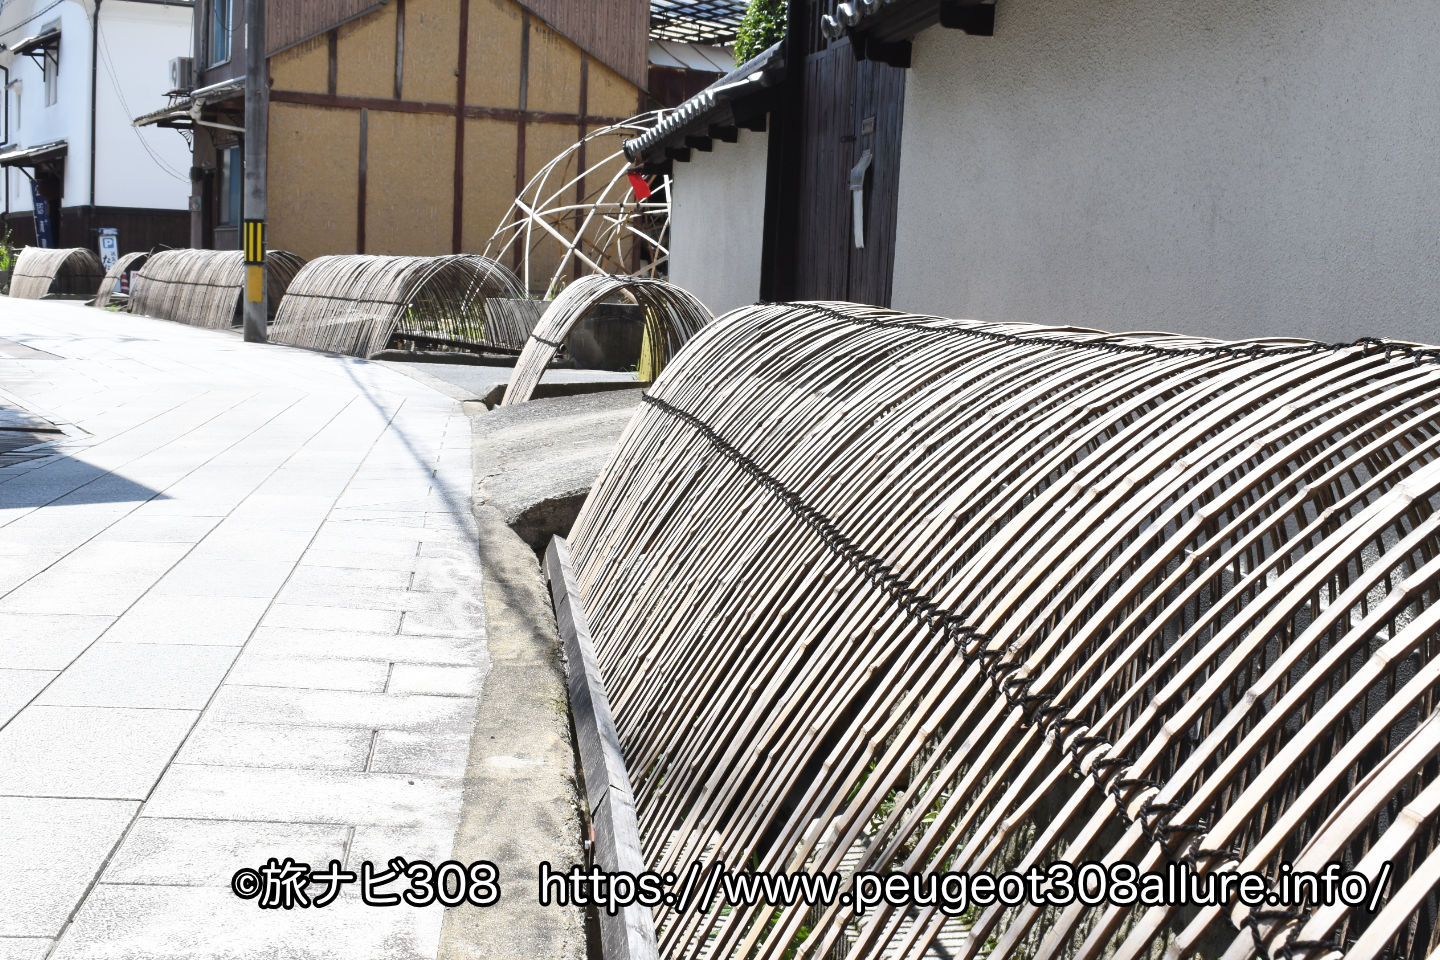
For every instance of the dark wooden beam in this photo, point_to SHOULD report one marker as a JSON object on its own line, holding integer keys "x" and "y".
{"x": 905, "y": 18}
{"x": 702, "y": 144}
{"x": 975, "y": 17}
{"x": 457, "y": 221}
{"x": 520, "y": 163}
{"x": 472, "y": 112}
{"x": 895, "y": 53}
{"x": 677, "y": 154}
{"x": 725, "y": 134}
{"x": 361, "y": 185}
{"x": 399, "y": 49}
{"x": 580, "y": 164}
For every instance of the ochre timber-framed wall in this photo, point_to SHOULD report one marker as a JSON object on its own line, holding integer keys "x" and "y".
{"x": 388, "y": 135}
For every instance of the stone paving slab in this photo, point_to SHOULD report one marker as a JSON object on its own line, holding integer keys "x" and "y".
{"x": 239, "y": 618}
{"x": 139, "y": 922}
{"x": 25, "y": 948}
{"x": 48, "y": 850}
{"x": 19, "y": 687}
{"x": 96, "y": 752}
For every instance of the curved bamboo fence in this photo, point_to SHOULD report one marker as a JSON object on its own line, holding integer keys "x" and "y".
{"x": 672, "y": 316}
{"x": 203, "y": 288}
{"x": 131, "y": 261}
{"x": 44, "y": 272}
{"x": 358, "y": 304}
{"x": 875, "y": 591}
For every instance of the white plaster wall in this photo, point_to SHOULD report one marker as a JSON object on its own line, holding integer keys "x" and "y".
{"x": 69, "y": 117}
{"x": 139, "y": 166}
{"x": 138, "y": 40}
{"x": 717, "y": 222}
{"x": 1232, "y": 168}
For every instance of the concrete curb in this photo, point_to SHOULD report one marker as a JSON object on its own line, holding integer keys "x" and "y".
{"x": 520, "y": 804}
{"x": 430, "y": 380}
{"x": 629, "y": 934}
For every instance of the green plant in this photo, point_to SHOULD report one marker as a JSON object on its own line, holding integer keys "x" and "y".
{"x": 763, "y": 24}
{"x": 7, "y": 252}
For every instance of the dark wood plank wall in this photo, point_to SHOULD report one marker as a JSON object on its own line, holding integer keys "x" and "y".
{"x": 139, "y": 228}
{"x": 823, "y": 227}
{"x": 814, "y": 40}
{"x": 294, "y": 21}
{"x": 840, "y": 96}
{"x": 879, "y": 99}
{"x": 615, "y": 32}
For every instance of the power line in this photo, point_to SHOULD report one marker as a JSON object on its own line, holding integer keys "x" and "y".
{"x": 34, "y": 16}
{"x": 109, "y": 62}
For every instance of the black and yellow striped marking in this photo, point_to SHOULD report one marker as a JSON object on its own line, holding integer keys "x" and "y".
{"x": 254, "y": 241}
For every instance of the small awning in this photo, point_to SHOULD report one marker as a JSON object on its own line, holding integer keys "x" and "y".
{"x": 33, "y": 156}
{"x": 182, "y": 112}
{"x": 705, "y": 58}
{"x": 165, "y": 116}
{"x": 38, "y": 43}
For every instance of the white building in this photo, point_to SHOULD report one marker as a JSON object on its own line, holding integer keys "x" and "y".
{"x": 1233, "y": 169}
{"x": 72, "y": 72}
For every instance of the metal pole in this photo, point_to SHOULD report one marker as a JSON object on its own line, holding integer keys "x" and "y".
{"x": 257, "y": 125}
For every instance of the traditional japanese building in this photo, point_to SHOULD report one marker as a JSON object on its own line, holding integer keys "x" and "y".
{"x": 401, "y": 126}
{"x": 1249, "y": 168}
{"x": 71, "y": 72}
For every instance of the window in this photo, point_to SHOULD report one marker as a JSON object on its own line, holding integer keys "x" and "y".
{"x": 52, "y": 75}
{"x": 219, "y": 31}
{"x": 232, "y": 185}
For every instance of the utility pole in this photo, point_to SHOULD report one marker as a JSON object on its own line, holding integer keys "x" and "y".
{"x": 257, "y": 129}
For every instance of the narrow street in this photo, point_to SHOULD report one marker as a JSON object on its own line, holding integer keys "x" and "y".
{"x": 240, "y": 617}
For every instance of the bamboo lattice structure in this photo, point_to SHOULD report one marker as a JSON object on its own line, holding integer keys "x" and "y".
{"x": 580, "y": 215}
{"x": 131, "y": 261}
{"x": 45, "y": 272}
{"x": 203, "y": 288}
{"x": 357, "y": 304}
{"x": 886, "y": 592}
{"x": 510, "y": 322}
{"x": 672, "y": 316}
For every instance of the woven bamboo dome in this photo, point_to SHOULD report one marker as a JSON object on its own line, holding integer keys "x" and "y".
{"x": 358, "y": 304}
{"x": 580, "y": 214}
{"x": 44, "y": 272}
{"x": 203, "y": 288}
{"x": 875, "y": 591}
{"x": 131, "y": 261}
{"x": 672, "y": 316}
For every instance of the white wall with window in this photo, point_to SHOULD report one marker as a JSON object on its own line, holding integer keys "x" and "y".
{"x": 49, "y": 91}
{"x": 139, "y": 166}
{"x": 50, "y": 69}
{"x": 50, "y": 95}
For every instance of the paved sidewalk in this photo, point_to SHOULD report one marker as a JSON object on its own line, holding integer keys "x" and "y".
{"x": 240, "y": 617}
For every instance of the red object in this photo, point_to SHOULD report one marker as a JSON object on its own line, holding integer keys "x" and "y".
{"x": 640, "y": 185}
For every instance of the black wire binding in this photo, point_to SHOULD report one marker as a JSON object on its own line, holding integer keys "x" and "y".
{"x": 973, "y": 646}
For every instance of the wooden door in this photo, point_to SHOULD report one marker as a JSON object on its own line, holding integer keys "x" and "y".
{"x": 846, "y": 108}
